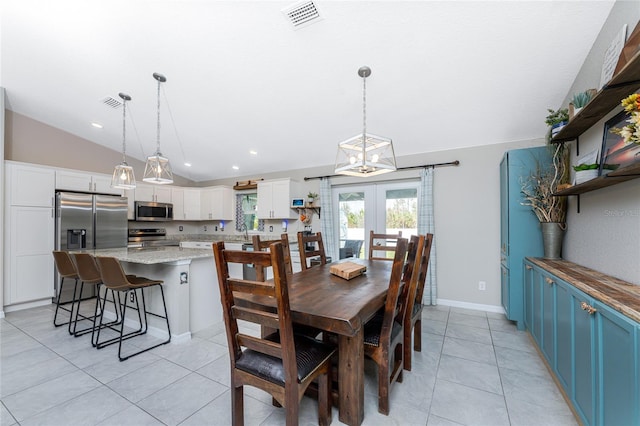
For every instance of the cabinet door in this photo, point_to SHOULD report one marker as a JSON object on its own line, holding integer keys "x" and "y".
{"x": 265, "y": 205}
{"x": 73, "y": 181}
{"x": 564, "y": 336}
{"x": 206, "y": 204}
{"x": 281, "y": 199}
{"x": 177, "y": 198}
{"x": 31, "y": 270}
{"x": 504, "y": 207}
{"x": 192, "y": 204}
{"x": 102, "y": 185}
{"x": 504, "y": 289}
{"x": 528, "y": 295}
{"x": 144, "y": 192}
{"x": 30, "y": 186}
{"x": 536, "y": 307}
{"x": 548, "y": 319}
{"x": 584, "y": 384}
{"x": 162, "y": 194}
{"x": 617, "y": 380}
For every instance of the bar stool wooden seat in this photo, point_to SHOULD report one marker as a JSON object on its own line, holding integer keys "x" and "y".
{"x": 115, "y": 280}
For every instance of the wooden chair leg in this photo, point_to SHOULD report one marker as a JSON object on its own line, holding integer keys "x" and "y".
{"x": 237, "y": 406}
{"x": 406, "y": 345}
{"x": 398, "y": 364}
{"x": 292, "y": 413}
{"x": 324, "y": 400}
{"x": 383, "y": 387}
{"x": 417, "y": 337}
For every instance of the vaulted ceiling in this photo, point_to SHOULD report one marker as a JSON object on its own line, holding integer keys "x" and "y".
{"x": 240, "y": 77}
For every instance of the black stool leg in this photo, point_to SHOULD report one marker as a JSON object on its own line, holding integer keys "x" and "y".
{"x": 55, "y": 316}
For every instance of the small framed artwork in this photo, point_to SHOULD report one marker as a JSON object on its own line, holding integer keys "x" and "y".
{"x": 615, "y": 152}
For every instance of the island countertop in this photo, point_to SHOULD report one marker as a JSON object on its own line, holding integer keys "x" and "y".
{"x": 153, "y": 255}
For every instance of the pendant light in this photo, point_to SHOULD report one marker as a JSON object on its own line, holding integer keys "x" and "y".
{"x": 158, "y": 169}
{"x": 123, "y": 177}
{"x": 365, "y": 154}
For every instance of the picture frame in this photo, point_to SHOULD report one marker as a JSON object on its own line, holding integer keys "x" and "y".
{"x": 615, "y": 153}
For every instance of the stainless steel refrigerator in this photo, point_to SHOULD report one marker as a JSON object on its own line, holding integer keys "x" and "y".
{"x": 89, "y": 221}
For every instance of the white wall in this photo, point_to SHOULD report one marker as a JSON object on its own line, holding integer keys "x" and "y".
{"x": 605, "y": 235}
{"x": 2, "y": 94}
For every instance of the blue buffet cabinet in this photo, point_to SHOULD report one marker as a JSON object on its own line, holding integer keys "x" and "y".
{"x": 520, "y": 233}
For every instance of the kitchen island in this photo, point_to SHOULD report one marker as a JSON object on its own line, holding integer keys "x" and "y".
{"x": 190, "y": 286}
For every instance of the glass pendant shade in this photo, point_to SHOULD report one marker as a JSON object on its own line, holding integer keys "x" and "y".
{"x": 158, "y": 169}
{"x": 123, "y": 176}
{"x": 365, "y": 154}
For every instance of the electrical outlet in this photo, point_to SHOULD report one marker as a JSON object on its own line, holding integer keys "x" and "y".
{"x": 216, "y": 228}
{"x": 132, "y": 297}
{"x": 482, "y": 285}
{"x": 180, "y": 228}
{"x": 205, "y": 228}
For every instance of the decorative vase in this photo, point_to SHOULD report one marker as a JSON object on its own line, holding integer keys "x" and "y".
{"x": 552, "y": 235}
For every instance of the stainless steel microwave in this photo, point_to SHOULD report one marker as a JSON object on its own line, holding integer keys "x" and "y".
{"x": 148, "y": 211}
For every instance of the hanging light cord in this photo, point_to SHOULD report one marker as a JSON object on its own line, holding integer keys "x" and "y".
{"x": 175, "y": 129}
{"x": 158, "y": 128}
{"x": 364, "y": 110}
{"x": 124, "y": 131}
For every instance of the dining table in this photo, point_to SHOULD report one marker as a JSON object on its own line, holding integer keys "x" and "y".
{"x": 319, "y": 299}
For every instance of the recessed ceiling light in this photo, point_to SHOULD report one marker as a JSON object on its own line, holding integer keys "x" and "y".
{"x": 253, "y": 152}
{"x": 187, "y": 164}
{"x": 96, "y": 125}
{"x": 235, "y": 167}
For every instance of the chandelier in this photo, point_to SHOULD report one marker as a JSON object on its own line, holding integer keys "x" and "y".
{"x": 123, "y": 177}
{"x": 158, "y": 169}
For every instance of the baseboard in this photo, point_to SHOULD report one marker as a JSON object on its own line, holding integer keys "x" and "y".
{"x": 1, "y": 314}
{"x": 27, "y": 305}
{"x": 472, "y": 306}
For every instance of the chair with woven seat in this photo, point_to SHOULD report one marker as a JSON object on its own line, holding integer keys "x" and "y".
{"x": 279, "y": 364}
{"x": 115, "y": 280}
{"x": 67, "y": 270}
{"x": 383, "y": 334}
{"x": 413, "y": 315}
{"x": 382, "y": 244}
{"x": 260, "y": 245}
{"x": 317, "y": 251}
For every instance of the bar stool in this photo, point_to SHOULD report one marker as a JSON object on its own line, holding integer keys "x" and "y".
{"x": 115, "y": 280}
{"x": 67, "y": 269}
{"x": 89, "y": 274}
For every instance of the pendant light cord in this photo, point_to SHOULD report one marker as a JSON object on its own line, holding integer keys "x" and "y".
{"x": 158, "y": 125}
{"x": 364, "y": 119}
{"x": 124, "y": 131}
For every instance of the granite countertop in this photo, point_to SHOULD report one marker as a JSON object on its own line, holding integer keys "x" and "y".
{"x": 620, "y": 295}
{"x": 153, "y": 255}
{"x": 227, "y": 238}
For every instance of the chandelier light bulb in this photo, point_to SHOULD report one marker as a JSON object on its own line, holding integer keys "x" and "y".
{"x": 375, "y": 158}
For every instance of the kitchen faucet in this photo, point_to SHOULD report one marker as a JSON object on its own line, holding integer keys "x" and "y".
{"x": 243, "y": 227}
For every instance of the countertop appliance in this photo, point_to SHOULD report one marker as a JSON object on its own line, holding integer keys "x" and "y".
{"x": 89, "y": 221}
{"x": 150, "y": 237}
{"x": 147, "y": 211}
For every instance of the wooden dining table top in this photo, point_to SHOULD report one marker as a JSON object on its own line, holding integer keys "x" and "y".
{"x": 328, "y": 302}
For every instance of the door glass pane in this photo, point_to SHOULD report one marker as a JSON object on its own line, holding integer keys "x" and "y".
{"x": 351, "y": 221}
{"x": 402, "y": 211}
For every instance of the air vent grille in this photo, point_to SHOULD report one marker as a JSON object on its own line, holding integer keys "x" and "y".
{"x": 302, "y": 14}
{"x": 111, "y": 102}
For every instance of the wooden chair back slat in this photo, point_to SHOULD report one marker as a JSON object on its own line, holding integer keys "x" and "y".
{"x": 268, "y": 347}
{"x": 378, "y": 250}
{"x": 318, "y": 251}
{"x": 424, "y": 267}
{"x": 267, "y": 319}
{"x": 260, "y": 245}
{"x": 253, "y": 287}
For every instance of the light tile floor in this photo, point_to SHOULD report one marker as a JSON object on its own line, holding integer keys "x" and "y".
{"x": 475, "y": 369}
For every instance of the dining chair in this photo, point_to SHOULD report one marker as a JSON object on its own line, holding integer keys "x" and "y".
{"x": 115, "y": 280}
{"x": 280, "y": 364}
{"x": 260, "y": 245}
{"x": 382, "y": 244}
{"x": 413, "y": 315}
{"x": 67, "y": 270}
{"x": 317, "y": 251}
{"x": 383, "y": 335}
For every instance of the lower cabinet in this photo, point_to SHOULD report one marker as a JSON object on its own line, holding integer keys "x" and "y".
{"x": 592, "y": 349}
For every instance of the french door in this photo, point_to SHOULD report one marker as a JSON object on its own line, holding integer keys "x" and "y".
{"x": 385, "y": 208}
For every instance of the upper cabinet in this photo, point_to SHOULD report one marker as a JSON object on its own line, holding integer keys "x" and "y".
{"x": 154, "y": 193}
{"x": 86, "y": 182}
{"x": 216, "y": 203}
{"x": 29, "y": 185}
{"x": 274, "y": 198}
{"x": 186, "y": 203}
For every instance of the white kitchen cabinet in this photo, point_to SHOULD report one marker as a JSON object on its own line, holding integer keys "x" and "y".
{"x": 154, "y": 193}
{"x": 274, "y": 198}
{"x": 186, "y": 203}
{"x": 177, "y": 199}
{"x": 235, "y": 269}
{"x": 217, "y": 203}
{"x": 28, "y": 185}
{"x": 29, "y": 233}
{"x": 197, "y": 244}
{"x": 69, "y": 180}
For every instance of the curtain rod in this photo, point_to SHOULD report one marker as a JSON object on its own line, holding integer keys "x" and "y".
{"x": 424, "y": 166}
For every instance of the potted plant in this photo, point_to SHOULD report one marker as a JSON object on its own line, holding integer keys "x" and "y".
{"x": 311, "y": 197}
{"x": 556, "y": 120}
{"x": 585, "y": 172}
{"x": 580, "y": 100}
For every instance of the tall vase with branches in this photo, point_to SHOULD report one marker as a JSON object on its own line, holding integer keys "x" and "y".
{"x": 537, "y": 192}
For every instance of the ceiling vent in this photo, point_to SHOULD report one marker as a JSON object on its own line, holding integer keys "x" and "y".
{"x": 302, "y": 14}
{"x": 111, "y": 102}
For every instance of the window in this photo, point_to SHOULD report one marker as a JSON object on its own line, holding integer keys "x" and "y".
{"x": 246, "y": 212}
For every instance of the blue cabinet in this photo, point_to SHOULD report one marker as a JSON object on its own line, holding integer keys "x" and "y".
{"x": 520, "y": 234}
{"x": 593, "y": 350}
